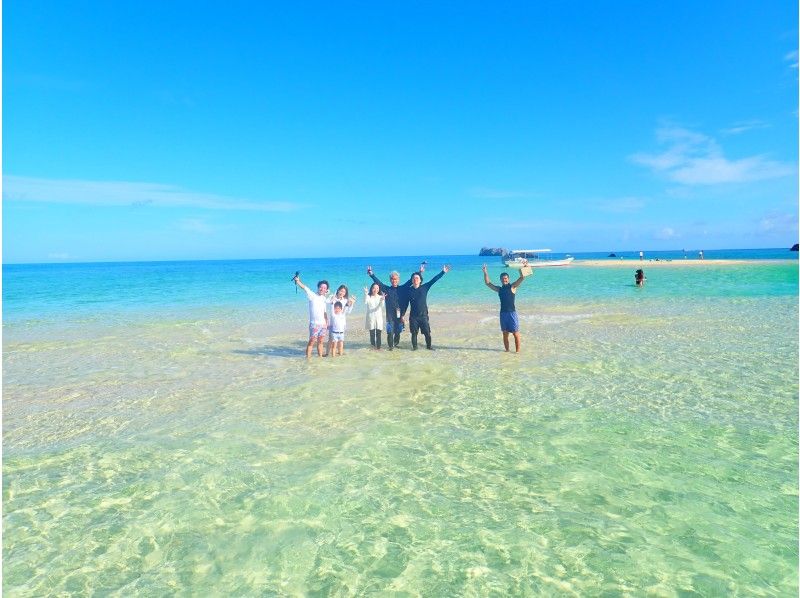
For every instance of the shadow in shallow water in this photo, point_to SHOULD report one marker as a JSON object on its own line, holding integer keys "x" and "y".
{"x": 299, "y": 349}
{"x": 277, "y": 351}
{"x": 296, "y": 350}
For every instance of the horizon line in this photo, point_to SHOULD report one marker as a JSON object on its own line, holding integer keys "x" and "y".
{"x": 634, "y": 252}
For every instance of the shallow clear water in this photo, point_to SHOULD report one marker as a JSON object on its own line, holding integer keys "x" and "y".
{"x": 171, "y": 438}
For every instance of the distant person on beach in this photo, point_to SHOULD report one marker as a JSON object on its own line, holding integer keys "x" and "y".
{"x": 317, "y": 314}
{"x": 342, "y": 296}
{"x": 418, "y": 307}
{"x": 639, "y": 277}
{"x": 338, "y": 326}
{"x": 396, "y": 302}
{"x": 375, "y": 320}
{"x": 701, "y": 255}
{"x": 641, "y": 256}
{"x": 509, "y": 321}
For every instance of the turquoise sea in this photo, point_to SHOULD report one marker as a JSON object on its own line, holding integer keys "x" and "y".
{"x": 163, "y": 433}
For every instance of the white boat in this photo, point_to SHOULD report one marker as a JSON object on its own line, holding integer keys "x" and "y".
{"x": 519, "y": 258}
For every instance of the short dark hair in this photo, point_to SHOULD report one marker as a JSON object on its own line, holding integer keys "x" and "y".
{"x": 323, "y": 282}
{"x": 503, "y": 274}
{"x": 338, "y": 304}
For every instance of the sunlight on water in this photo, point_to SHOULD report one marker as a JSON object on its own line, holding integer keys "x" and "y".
{"x": 644, "y": 447}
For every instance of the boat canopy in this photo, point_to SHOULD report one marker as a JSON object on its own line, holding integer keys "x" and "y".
{"x": 530, "y": 250}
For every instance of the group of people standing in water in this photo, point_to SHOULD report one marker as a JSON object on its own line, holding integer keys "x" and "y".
{"x": 328, "y": 314}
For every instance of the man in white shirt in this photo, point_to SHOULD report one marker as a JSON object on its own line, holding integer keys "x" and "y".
{"x": 317, "y": 314}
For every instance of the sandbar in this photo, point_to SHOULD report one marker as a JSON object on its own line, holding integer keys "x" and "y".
{"x": 634, "y": 263}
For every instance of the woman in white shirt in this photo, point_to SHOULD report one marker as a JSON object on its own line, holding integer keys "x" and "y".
{"x": 375, "y": 320}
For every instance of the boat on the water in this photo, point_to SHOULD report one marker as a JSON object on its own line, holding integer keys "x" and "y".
{"x": 535, "y": 258}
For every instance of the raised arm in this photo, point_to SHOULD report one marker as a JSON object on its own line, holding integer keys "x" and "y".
{"x": 445, "y": 270}
{"x": 519, "y": 280}
{"x": 488, "y": 282}
{"x": 299, "y": 283}
{"x": 374, "y": 278}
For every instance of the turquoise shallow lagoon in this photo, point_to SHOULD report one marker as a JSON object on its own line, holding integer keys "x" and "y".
{"x": 163, "y": 434}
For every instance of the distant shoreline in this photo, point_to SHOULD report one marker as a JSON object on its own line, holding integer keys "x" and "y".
{"x": 629, "y": 263}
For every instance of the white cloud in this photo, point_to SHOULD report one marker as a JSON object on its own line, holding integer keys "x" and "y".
{"x": 791, "y": 58}
{"x": 59, "y": 256}
{"x": 195, "y": 225}
{"x": 120, "y": 193}
{"x": 695, "y": 159}
{"x": 716, "y": 169}
{"x": 778, "y": 224}
{"x": 744, "y": 126}
{"x": 666, "y": 233}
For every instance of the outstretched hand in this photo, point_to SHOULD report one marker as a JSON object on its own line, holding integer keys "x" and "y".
{"x": 369, "y": 270}
{"x": 484, "y": 268}
{"x": 446, "y": 268}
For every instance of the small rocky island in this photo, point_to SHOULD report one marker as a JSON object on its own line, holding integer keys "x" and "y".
{"x": 492, "y": 251}
{"x": 794, "y": 247}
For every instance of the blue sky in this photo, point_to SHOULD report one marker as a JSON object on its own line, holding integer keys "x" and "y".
{"x": 197, "y": 130}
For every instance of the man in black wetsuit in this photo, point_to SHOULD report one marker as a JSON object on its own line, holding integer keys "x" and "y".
{"x": 509, "y": 322}
{"x": 418, "y": 307}
{"x": 396, "y": 303}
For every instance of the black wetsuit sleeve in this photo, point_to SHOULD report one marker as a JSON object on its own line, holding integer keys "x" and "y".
{"x": 429, "y": 284}
{"x": 375, "y": 279}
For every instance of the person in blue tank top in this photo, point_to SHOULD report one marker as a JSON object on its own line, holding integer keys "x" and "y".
{"x": 509, "y": 321}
